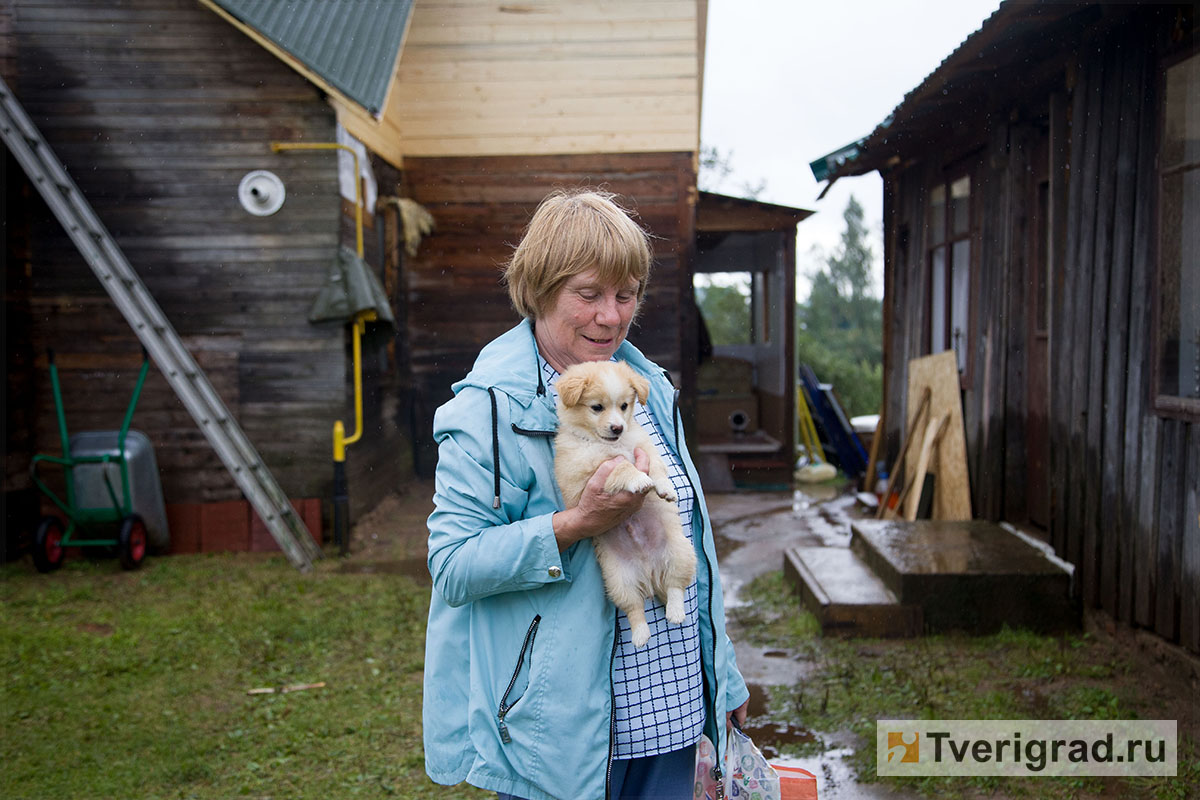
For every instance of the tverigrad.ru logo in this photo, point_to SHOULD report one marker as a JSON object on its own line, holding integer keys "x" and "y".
{"x": 1026, "y": 747}
{"x": 904, "y": 748}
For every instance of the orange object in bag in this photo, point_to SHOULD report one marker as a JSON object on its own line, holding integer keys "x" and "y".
{"x": 795, "y": 783}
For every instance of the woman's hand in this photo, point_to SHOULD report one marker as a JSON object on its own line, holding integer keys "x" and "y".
{"x": 738, "y": 714}
{"x": 598, "y": 511}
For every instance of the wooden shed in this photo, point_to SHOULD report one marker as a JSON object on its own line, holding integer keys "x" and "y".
{"x": 1040, "y": 213}
{"x": 160, "y": 107}
{"x": 745, "y": 400}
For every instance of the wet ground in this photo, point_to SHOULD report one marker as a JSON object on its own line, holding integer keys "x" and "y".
{"x": 752, "y": 531}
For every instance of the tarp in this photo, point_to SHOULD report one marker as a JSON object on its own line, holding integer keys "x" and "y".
{"x": 350, "y": 288}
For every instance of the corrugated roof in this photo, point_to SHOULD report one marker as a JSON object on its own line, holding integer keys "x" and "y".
{"x": 351, "y": 44}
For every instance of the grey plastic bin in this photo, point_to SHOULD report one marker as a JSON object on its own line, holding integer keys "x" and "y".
{"x": 145, "y": 489}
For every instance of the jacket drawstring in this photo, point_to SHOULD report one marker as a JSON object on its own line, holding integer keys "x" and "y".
{"x": 495, "y": 448}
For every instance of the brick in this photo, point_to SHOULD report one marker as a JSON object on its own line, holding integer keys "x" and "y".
{"x": 225, "y": 527}
{"x": 261, "y": 540}
{"x": 185, "y": 523}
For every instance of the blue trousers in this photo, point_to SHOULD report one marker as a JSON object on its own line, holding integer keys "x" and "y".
{"x": 670, "y": 776}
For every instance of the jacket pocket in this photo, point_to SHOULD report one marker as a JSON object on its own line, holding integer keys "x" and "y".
{"x": 520, "y": 677}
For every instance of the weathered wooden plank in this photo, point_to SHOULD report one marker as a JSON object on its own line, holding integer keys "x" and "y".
{"x": 1020, "y": 175}
{"x": 1189, "y": 627}
{"x": 1168, "y": 587}
{"x": 1081, "y": 334}
{"x": 1063, "y": 326}
{"x": 1116, "y": 577}
{"x": 1100, "y": 547}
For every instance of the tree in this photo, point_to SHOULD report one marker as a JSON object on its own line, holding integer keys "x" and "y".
{"x": 839, "y": 328}
{"x": 726, "y": 310}
{"x": 716, "y": 167}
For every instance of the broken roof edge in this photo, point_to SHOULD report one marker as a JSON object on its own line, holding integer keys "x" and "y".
{"x": 849, "y": 160}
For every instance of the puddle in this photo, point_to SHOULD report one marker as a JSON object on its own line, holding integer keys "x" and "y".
{"x": 770, "y": 733}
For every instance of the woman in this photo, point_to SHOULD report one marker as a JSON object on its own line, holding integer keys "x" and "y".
{"x": 532, "y": 686}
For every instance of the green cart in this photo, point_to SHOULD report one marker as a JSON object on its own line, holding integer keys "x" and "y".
{"x": 99, "y": 470}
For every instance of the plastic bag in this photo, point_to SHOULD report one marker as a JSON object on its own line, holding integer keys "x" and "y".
{"x": 706, "y": 761}
{"x": 748, "y": 776}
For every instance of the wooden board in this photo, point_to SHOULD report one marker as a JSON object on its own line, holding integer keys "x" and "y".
{"x": 952, "y": 488}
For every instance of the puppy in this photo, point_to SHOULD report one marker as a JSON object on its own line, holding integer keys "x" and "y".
{"x": 648, "y": 555}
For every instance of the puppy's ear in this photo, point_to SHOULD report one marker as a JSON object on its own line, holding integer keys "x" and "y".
{"x": 639, "y": 384}
{"x": 571, "y": 388}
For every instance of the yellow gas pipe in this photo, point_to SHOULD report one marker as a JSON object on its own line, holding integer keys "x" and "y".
{"x": 340, "y": 440}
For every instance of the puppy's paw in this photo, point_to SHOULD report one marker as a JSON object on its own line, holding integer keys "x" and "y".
{"x": 675, "y": 610}
{"x": 640, "y": 634}
{"x": 666, "y": 491}
{"x": 639, "y": 483}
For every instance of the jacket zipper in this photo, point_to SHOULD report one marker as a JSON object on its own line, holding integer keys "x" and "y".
{"x": 612, "y": 714}
{"x": 718, "y": 775}
{"x": 505, "y": 707}
{"x": 527, "y": 432}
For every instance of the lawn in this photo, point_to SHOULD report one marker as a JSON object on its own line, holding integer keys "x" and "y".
{"x": 134, "y": 684}
{"x": 1009, "y": 675}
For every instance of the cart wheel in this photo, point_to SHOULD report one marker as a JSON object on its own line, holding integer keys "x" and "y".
{"x": 132, "y": 543}
{"x": 48, "y": 551}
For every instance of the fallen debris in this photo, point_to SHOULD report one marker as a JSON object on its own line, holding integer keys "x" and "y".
{"x": 297, "y": 687}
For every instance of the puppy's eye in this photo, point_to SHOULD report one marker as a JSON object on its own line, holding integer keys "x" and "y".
{"x": 624, "y": 406}
{"x": 597, "y": 408}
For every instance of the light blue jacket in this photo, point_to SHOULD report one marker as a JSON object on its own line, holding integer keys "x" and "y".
{"x": 521, "y": 638}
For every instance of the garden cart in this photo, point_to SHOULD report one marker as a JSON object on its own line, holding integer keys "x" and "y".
{"x": 113, "y": 498}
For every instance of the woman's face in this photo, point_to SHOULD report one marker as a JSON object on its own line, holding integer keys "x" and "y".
{"x": 587, "y": 322}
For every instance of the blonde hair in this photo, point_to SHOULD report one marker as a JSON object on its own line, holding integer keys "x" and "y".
{"x": 572, "y": 232}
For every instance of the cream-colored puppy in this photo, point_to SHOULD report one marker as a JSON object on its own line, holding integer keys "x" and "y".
{"x": 648, "y": 555}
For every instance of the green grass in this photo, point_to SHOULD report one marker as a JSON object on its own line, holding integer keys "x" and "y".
{"x": 135, "y": 684}
{"x": 1010, "y": 675}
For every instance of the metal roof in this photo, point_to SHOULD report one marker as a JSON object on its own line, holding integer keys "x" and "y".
{"x": 351, "y": 44}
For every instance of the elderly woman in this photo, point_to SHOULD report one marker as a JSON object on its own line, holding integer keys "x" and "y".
{"x": 532, "y": 686}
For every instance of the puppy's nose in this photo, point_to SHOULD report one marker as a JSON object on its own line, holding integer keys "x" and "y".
{"x": 616, "y": 429}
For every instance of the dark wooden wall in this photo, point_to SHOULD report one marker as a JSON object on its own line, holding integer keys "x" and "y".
{"x": 1123, "y": 479}
{"x": 455, "y": 300}
{"x": 158, "y": 108}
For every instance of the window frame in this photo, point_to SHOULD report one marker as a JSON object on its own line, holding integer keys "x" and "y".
{"x": 1165, "y": 405}
{"x": 947, "y": 177}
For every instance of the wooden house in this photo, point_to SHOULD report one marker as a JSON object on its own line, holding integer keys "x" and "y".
{"x": 1040, "y": 213}
{"x": 472, "y": 110}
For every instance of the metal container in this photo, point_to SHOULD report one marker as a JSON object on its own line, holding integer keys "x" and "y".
{"x": 145, "y": 489}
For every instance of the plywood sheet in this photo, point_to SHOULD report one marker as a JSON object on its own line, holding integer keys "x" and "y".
{"x": 948, "y": 463}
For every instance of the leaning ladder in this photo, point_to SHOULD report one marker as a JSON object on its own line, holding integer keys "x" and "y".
{"x": 142, "y": 312}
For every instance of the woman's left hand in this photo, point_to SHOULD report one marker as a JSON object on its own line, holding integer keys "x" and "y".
{"x": 738, "y": 713}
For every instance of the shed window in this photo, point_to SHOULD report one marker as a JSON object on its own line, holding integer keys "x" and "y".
{"x": 949, "y": 226}
{"x": 1178, "y": 290}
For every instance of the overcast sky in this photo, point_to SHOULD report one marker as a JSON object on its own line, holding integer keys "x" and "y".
{"x": 787, "y": 81}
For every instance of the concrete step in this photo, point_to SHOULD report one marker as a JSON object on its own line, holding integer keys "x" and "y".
{"x": 973, "y": 576}
{"x": 845, "y": 596}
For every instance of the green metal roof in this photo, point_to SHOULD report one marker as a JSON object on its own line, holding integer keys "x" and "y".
{"x": 351, "y": 44}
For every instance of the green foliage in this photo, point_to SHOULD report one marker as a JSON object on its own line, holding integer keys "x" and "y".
{"x": 839, "y": 328}
{"x": 135, "y": 684}
{"x": 726, "y": 312}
